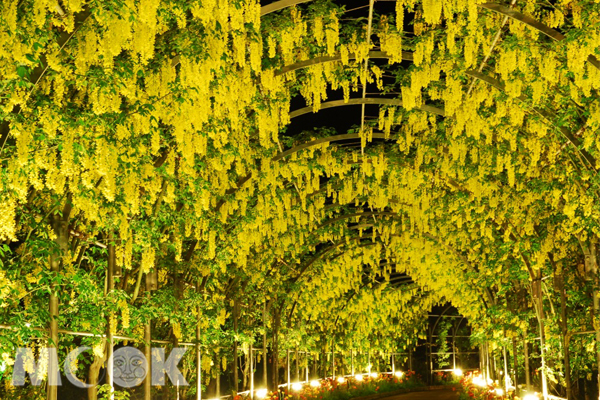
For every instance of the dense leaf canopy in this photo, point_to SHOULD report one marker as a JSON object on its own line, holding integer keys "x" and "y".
{"x": 163, "y": 130}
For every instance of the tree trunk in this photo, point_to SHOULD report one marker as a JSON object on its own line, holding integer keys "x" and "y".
{"x": 275, "y": 346}
{"x": 61, "y": 229}
{"x": 560, "y": 286}
{"x": 526, "y": 353}
{"x": 515, "y": 362}
{"x": 235, "y": 345}
{"x": 93, "y": 372}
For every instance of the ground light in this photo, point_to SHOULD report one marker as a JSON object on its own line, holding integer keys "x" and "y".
{"x": 479, "y": 381}
{"x": 499, "y": 392}
{"x": 315, "y": 383}
{"x": 261, "y": 393}
{"x": 341, "y": 379}
{"x": 399, "y": 374}
{"x": 374, "y": 375}
{"x": 531, "y": 396}
{"x": 358, "y": 377}
{"x": 297, "y": 386}
{"x": 458, "y": 372}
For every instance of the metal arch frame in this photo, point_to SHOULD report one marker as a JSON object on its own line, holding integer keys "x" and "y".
{"x": 495, "y": 7}
{"x": 448, "y": 248}
{"x": 280, "y": 5}
{"x": 328, "y": 139}
{"x": 547, "y": 115}
{"x": 324, "y": 252}
{"x": 498, "y": 8}
{"x": 535, "y": 24}
{"x": 367, "y": 100}
{"x": 407, "y": 286}
{"x": 542, "y": 28}
{"x": 328, "y": 250}
{"x": 455, "y": 328}
{"x": 427, "y": 108}
{"x": 408, "y": 56}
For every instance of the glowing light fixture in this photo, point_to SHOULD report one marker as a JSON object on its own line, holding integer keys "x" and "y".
{"x": 358, "y": 377}
{"x": 374, "y": 375}
{"x": 297, "y": 386}
{"x": 399, "y": 374}
{"x": 479, "y": 381}
{"x": 530, "y": 397}
{"x": 499, "y": 392}
{"x": 261, "y": 393}
{"x": 315, "y": 383}
{"x": 341, "y": 379}
{"x": 458, "y": 372}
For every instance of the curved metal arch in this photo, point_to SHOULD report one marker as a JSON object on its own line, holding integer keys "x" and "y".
{"x": 366, "y": 100}
{"x": 279, "y": 5}
{"x": 472, "y": 73}
{"x": 337, "y": 57}
{"x": 495, "y": 7}
{"x": 547, "y": 115}
{"x": 338, "y": 244}
{"x": 535, "y": 24}
{"x": 425, "y": 235}
{"x": 328, "y": 139}
{"x": 325, "y": 252}
{"x": 408, "y": 286}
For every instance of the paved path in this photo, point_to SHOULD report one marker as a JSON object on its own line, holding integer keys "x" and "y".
{"x": 445, "y": 394}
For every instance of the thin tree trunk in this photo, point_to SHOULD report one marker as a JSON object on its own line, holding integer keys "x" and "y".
{"x": 264, "y": 347}
{"x": 516, "y": 363}
{"x": 275, "y": 345}
{"x": 199, "y": 352}
{"x": 559, "y": 278}
{"x": 526, "y": 353}
{"x": 235, "y": 345}
{"x": 94, "y": 371}
{"x": 61, "y": 229}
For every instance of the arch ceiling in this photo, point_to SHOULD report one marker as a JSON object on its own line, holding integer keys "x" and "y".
{"x": 184, "y": 135}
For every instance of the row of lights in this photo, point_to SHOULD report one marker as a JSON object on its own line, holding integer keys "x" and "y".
{"x": 358, "y": 377}
{"x": 481, "y": 382}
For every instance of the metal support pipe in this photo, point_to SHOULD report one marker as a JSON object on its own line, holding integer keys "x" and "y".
{"x": 148, "y": 355}
{"x": 52, "y": 390}
{"x": 198, "y": 365}
{"x": 526, "y": 353}
{"x": 306, "y": 360}
{"x": 251, "y": 361}
{"x": 288, "y": 369}
{"x": 505, "y": 370}
{"x": 332, "y": 360}
{"x": 235, "y": 345}
{"x": 352, "y": 361}
{"x": 264, "y": 355}
{"x": 109, "y": 335}
{"x": 218, "y": 381}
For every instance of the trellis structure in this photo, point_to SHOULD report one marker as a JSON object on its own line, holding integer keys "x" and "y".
{"x": 165, "y": 179}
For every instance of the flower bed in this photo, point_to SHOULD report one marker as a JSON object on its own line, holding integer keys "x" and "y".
{"x": 473, "y": 386}
{"x": 365, "y": 385}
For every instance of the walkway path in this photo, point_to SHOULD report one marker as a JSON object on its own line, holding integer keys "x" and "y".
{"x": 444, "y": 394}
